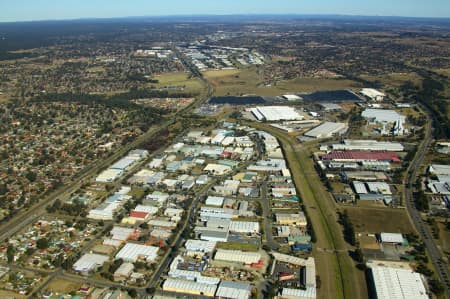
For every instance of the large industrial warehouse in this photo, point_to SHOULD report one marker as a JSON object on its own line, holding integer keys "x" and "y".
{"x": 326, "y": 130}
{"x": 368, "y": 145}
{"x": 393, "y": 283}
{"x": 274, "y": 113}
{"x": 386, "y": 117}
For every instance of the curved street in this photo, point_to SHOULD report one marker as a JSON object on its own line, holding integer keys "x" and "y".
{"x": 421, "y": 227}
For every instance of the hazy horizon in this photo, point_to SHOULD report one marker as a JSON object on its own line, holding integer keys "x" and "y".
{"x": 47, "y": 10}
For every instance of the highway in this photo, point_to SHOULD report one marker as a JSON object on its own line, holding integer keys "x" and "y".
{"x": 420, "y": 225}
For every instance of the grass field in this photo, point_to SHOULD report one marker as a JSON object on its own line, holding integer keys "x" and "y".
{"x": 178, "y": 79}
{"x": 395, "y": 79}
{"x": 238, "y": 246}
{"x": 3, "y": 98}
{"x": 249, "y": 81}
{"x": 12, "y": 295}
{"x": 63, "y": 286}
{"x": 137, "y": 192}
{"x": 444, "y": 238}
{"x": 337, "y": 271}
{"x": 374, "y": 220}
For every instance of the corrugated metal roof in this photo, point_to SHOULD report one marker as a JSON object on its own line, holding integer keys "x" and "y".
{"x": 362, "y": 155}
{"x": 392, "y": 283}
{"x": 185, "y": 286}
{"x": 234, "y": 290}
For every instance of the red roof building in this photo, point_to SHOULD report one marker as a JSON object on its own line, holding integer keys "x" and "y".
{"x": 356, "y": 156}
{"x": 138, "y": 215}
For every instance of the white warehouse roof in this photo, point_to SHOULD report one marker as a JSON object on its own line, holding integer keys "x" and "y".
{"x": 309, "y": 292}
{"x": 372, "y": 93}
{"x": 244, "y": 226}
{"x": 274, "y": 113}
{"x": 132, "y": 252}
{"x": 214, "y": 201}
{"x": 237, "y": 256}
{"x": 360, "y": 187}
{"x": 185, "y": 286}
{"x": 327, "y": 129}
{"x": 392, "y": 283}
{"x": 440, "y": 169}
{"x": 383, "y": 115}
{"x": 368, "y": 145}
{"x": 391, "y": 238}
{"x": 200, "y": 245}
{"x": 89, "y": 262}
{"x": 234, "y": 290}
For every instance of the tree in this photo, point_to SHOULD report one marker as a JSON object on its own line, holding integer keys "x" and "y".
{"x": 421, "y": 201}
{"x": 132, "y": 293}
{"x": 358, "y": 255}
{"x": 3, "y": 189}
{"x": 436, "y": 286}
{"x": 59, "y": 259}
{"x": 144, "y": 225}
{"x": 236, "y": 114}
{"x": 31, "y": 176}
{"x": 42, "y": 243}
{"x": 10, "y": 252}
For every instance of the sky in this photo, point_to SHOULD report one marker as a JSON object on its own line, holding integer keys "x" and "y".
{"x": 31, "y": 10}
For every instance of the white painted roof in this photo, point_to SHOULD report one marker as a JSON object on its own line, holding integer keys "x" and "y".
{"x": 372, "y": 93}
{"x": 121, "y": 233}
{"x": 383, "y": 115}
{"x": 360, "y": 187}
{"x": 326, "y": 129}
{"x": 131, "y": 252}
{"x": 391, "y": 238}
{"x": 237, "y": 256}
{"x": 200, "y": 245}
{"x": 89, "y": 261}
{"x": 274, "y": 113}
{"x": 288, "y": 293}
{"x": 147, "y": 209}
{"x": 214, "y": 201}
{"x": 234, "y": 290}
{"x": 185, "y": 285}
{"x": 392, "y": 283}
{"x": 244, "y": 226}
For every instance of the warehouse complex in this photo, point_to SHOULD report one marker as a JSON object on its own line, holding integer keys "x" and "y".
{"x": 275, "y": 113}
{"x": 373, "y": 94}
{"x": 392, "y": 123}
{"x": 368, "y": 145}
{"x": 327, "y": 130}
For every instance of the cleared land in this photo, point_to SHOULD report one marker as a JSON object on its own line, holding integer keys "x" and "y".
{"x": 373, "y": 220}
{"x": 178, "y": 79}
{"x": 63, "y": 286}
{"x": 337, "y": 271}
{"x": 395, "y": 79}
{"x": 444, "y": 238}
{"x": 13, "y": 295}
{"x": 249, "y": 81}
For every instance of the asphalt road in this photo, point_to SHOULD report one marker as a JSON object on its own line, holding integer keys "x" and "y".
{"x": 421, "y": 227}
{"x": 267, "y": 219}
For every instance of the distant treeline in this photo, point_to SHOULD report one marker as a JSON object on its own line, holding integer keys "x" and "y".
{"x": 120, "y": 100}
{"x": 431, "y": 94}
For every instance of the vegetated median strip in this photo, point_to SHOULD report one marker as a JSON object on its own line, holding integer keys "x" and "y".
{"x": 323, "y": 219}
{"x": 306, "y": 191}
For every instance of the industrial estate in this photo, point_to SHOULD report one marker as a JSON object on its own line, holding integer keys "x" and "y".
{"x": 227, "y": 159}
